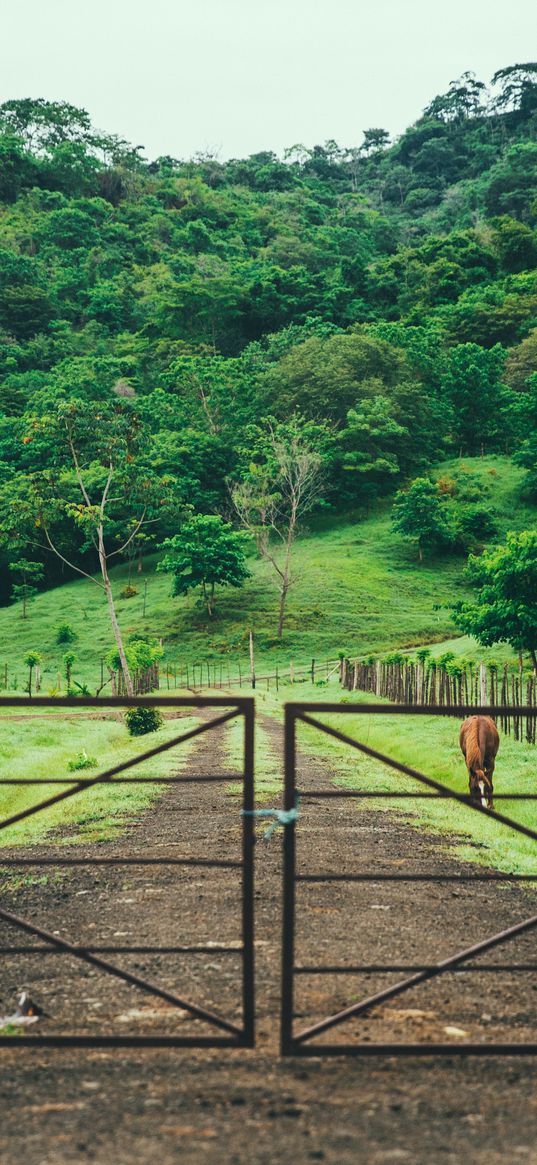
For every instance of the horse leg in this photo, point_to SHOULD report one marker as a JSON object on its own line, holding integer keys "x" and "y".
{"x": 489, "y": 771}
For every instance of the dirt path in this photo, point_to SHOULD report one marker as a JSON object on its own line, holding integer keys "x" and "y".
{"x": 62, "y": 1107}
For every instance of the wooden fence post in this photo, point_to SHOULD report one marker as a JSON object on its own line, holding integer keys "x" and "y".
{"x": 482, "y": 684}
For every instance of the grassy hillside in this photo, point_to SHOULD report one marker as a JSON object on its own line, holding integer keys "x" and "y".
{"x": 359, "y": 588}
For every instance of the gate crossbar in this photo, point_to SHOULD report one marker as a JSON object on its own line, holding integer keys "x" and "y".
{"x": 297, "y": 1043}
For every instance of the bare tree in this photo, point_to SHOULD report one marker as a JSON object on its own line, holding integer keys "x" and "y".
{"x": 275, "y": 497}
{"x": 101, "y": 482}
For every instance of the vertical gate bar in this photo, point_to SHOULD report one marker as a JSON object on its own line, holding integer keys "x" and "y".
{"x": 248, "y": 841}
{"x": 288, "y": 908}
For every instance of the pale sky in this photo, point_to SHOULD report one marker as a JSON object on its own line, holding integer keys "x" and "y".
{"x": 238, "y": 76}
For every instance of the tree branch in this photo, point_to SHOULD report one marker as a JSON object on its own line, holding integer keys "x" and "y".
{"x": 138, "y": 526}
{"x": 72, "y": 566}
{"x": 106, "y": 491}
{"x": 78, "y": 470}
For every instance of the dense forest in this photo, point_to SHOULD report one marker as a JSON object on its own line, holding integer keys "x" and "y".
{"x": 159, "y": 320}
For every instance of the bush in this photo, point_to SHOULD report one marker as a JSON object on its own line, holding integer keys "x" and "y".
{"x": 139, "y": 721}
{"x": 66, "y": 633}
{"x": 82, "y": 761}
{"x": 128, "y": 592}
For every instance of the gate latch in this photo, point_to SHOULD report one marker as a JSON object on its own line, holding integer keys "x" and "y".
{"x": 280, "y": 817}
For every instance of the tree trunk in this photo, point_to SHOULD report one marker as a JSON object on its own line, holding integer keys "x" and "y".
{"x": 533, "y": 657}
{"x": 30, "y": 682}
{"x": 281, "y": 608}
{"x": 209, "y": 597}
{"x": 113, "y": 617}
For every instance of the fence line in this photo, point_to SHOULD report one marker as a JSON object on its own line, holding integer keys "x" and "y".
{"x": 432, "y": 683}
{"x": 172, "y": 676}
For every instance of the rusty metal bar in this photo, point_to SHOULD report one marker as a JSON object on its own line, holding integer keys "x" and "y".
{"x": 97, "y": 950}
{"x": 82, "y": 1041}
{"x": 104, "y": 778}
{"x": 119, "y": 861}
{"x": 248, "y": 843}
{"x": 379, "y": 877}
{"x": 395, "y": 1049}
{"x": 288, "y": 912}
{"x": 384, "y": 968}
{"x": 239, "y": 702}
{"x": 84, "y": 782}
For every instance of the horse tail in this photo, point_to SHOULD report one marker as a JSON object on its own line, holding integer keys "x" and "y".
{"x": 473, "y": 752}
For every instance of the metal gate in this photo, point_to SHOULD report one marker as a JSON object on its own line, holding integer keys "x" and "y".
{"x": 300, "y": 1043}
{"x": 225, "y": 1033}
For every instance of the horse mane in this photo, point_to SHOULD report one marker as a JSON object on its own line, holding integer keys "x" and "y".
{"x": 474, "y": 755}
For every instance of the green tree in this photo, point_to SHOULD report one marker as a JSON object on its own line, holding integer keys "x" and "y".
{"x": 325, "y": 377}
{"x": 463, "y": 100}
{"x": 421, "y": 515}
{"x": 206, "y": 553}
{"x": 69, "y": 661}
{"x": 29, "y": 574}
{"x": 517, "y": 86}
{"x": 473, "y": 383}
{"x": 371, "y": 444}
{"x": 521, "y": 362}
{"x": 32, "y": 660}
{"x": 505, "y": 609}
{"x": 375, "y": 140}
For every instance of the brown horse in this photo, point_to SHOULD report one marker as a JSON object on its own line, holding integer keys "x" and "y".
{"x": 479, "y": 741}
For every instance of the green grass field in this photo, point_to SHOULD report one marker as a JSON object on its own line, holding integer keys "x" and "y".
{"x": 359, "y": 589}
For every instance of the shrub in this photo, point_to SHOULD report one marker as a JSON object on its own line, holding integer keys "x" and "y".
{"x": 142, "y": 720}
{"x": 128, "y": 592}
{"x": 66, "y": 633}
{"x": 82, "y": 761}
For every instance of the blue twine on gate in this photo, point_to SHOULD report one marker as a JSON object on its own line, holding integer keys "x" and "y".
{"x": 281, "y": 817}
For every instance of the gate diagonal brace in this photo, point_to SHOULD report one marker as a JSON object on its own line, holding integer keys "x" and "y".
{"x": 448, "y": 964}
{"x": 111, "y": 969}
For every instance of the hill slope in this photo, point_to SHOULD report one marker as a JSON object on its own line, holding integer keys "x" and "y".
{"x": 358, "y": 589}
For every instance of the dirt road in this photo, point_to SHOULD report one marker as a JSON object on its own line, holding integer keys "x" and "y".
{"x": 120, "y": 1108}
